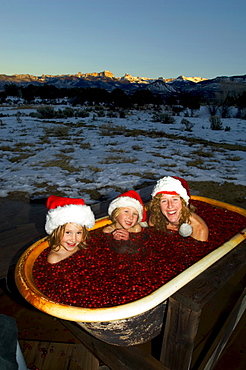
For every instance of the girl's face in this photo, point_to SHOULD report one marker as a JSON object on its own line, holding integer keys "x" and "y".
{"x": 72, "y": 236}
{"x": 171, "y": 207}
{"x": 127, "y": 218}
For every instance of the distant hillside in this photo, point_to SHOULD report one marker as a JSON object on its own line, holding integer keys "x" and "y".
{"x": 130, "y": 84}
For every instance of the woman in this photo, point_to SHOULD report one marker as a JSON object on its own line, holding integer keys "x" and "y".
{"x": 170, "y": 210}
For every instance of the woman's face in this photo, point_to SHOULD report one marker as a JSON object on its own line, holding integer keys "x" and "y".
{"x": 72, "y": 236}
{"x": 171, "y": 207}
{"x": 128, "y": 217}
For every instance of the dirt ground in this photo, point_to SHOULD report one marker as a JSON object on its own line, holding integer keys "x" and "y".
{"x": 227, "y": 192}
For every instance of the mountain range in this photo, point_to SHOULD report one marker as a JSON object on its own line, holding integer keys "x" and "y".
{"x": 130, "y": 84}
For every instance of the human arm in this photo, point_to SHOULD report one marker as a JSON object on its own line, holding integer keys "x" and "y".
{"x": 54, "y": 257}
{"x": 199, "y": 228}
{"x": 108, "y": 229}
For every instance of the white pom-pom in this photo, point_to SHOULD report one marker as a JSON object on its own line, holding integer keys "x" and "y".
{"x": 185, "y": 230}
{"x": 143, "y": 224}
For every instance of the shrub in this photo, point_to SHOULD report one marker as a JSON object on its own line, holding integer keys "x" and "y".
{"x": 100, "y": 113}
{"x": 177, "y": 109}
{"x": 111, "y": 114}
{"x": 46, "y": 112}
{"x": 212, "y": 109}
{"x": 215, "y": 123}
{"x": 187, "y": 124}
{"x": 57, "y": 131}
{"x": 163, "y": 118}
{"x": 225, "y": 111}
{"x": 68, "y": 112}
{"x": 82, "y": 113}
{"x": 122, "y": 114}
{"x": 241, "y": 113}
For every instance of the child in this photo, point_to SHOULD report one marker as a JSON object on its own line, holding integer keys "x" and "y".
{"x": 67, "y": 223}
{"x": 127, "y": 213}
{"x": 170, "y": 209}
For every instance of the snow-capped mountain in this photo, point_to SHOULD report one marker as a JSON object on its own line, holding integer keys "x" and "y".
{"x": 129, "y": 83}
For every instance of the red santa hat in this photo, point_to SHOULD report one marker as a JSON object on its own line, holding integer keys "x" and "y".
{"x": 172, "y": 185}
{"x": 129, "y": 199}
{"x": 63, "y": 210}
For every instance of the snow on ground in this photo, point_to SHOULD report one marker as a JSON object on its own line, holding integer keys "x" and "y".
{"x": 102, "y": 156}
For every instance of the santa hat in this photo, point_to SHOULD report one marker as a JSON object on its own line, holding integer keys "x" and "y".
{"x": 129, "y": 199}
{"x": 172, "y": 185}
{"x": 64, "y": 210}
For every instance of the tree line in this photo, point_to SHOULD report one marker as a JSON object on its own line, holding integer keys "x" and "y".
{"x": 118, "y": 97}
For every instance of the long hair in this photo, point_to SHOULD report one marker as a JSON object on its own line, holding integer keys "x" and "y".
{"x": 159, "y": 220}
{"x": 55, "y": 238}
{"x": 115, "y": 213}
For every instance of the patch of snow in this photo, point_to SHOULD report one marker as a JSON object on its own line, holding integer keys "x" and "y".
{"x": 36, "y": 160}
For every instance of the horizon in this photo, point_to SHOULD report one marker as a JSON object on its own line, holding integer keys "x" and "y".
{"x": 161, "y": 39}
{"x": 137, "y": 76}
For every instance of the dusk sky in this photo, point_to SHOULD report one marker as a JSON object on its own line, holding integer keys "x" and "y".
{"x": 145, "y": 38}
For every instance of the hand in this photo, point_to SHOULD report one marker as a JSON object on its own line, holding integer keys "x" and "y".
{"x": 121, "y": 234}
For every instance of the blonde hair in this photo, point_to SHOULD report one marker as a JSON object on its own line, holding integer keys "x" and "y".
{"x": 115, "y": 213}
{"x": 55, "y": 238}
{"x": 159, "y": 220}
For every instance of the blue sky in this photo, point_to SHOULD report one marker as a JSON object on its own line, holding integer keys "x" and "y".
{"x": 146, "y": 38}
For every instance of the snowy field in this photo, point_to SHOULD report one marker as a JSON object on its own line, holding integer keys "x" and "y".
{"x": 99, "y": 157}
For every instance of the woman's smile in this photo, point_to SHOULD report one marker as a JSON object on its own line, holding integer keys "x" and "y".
{"x": 171, "y": 207}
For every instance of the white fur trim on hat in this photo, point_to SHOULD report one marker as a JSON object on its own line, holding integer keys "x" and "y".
{"x": 122, "y": 201}
{"x": 78, "y": 214}
{"x": 169, "y": 183}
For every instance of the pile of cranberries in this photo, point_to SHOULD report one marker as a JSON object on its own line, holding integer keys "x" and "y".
{"x": 111, "y": 273}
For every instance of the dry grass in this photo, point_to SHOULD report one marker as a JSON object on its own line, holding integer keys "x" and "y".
{"x": 63, "y": 162}
{"x": 118, "y": 159}
{"x": 226, "y": 192}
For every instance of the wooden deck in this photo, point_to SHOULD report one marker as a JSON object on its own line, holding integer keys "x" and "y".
{"x": 52, "y": 344}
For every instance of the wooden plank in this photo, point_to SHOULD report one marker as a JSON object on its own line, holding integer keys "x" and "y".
{"x": 225, "y": 333}
{"x": 58, "y": 356}
{"x": 9, "y": 213}
{"x": 200, "y": 290}
{"x": 233, "y": 355}
{"x": 179, "y": 335}
{"x": 13, "y": 243}
{"x": 117, "y": 358}
{"x": 15, "y": 213}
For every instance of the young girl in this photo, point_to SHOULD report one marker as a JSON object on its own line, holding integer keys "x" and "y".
{"x": 67, "y": 223}
{"x": 170, "y": 210}
{"x": 127, "y": 213}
